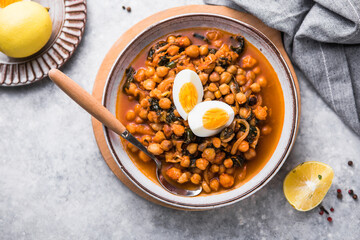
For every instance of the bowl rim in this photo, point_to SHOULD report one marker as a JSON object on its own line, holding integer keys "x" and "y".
{"x": 260, "y": 184}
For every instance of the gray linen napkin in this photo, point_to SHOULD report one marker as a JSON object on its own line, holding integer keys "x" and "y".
{"x": 322, "y": 39}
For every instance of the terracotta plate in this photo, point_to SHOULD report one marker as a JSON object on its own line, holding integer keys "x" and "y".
{"x": 68, "y": 17}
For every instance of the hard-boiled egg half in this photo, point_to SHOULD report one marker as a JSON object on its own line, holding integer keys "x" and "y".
{"x": 210, "y": 117}
{"x": 205, "y": 118}
{"x": 187, "y": 92}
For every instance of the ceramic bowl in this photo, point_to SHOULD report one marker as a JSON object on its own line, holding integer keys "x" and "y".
{"x": 291, "y": 117}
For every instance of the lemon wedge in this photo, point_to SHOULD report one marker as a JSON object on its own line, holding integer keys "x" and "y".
{"x": 307, "y": 184}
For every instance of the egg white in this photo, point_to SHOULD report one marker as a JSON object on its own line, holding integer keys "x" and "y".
{"x": 181, "y": 78}
{"x": 195, "y": 118}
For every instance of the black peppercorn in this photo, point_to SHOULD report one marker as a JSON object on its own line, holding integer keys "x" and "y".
{"x": 350, "y": 163}
{"x": 355, "y": 196}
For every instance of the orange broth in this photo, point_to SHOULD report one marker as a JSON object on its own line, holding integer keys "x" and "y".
{"x": 272, "y": 96}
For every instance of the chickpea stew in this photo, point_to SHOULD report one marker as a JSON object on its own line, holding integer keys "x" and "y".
{"x": 231, "y": 70}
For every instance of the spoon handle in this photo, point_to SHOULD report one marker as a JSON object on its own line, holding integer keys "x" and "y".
{"x": 96, "y": 109}
{"x": 86, "y": 101}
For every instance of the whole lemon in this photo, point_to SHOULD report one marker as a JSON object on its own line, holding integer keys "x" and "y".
{"x": 25, "y": 27}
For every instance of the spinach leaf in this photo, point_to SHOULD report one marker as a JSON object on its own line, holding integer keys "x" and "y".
{"x": 189, "y": 136}
{"x": 252, "y": 134}
{"x": 154, "y": 105}
{"x": 129, "y": 73}
{"x": 171, "y": 65}
{"x": 238, "y": 160}
{"x": 240, "y": 44}
{"x": 199, "y": 36}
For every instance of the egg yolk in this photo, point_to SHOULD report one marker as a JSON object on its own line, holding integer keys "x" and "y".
{"x": 215, "y": 118}
{"x": 188, "y": 96}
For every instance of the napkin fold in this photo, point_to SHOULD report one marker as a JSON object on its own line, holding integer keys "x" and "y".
{"x": 322, "y": 38}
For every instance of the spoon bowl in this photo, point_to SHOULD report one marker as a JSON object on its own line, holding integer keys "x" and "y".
{"x": 98, "y": 111}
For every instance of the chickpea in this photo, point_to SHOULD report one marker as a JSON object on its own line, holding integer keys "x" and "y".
{"x": 130, "y": 115}
{"x": 166, "y": 145}
{"x": 183, "y": 41}
{"x": 165, "y": 103}
{"x": 224, "y": 89}
{"x": 192, "y": 51}
{"x": 144, "y": 103}
{"x": 214, "y": 77}
{"x": 174, "y": 173}
{"x": 137, "y": 108}
{"x": 204, "y": 77}
{"x": 262, "y": 81}
{"x": 222, "y": 169}
{"x": 184, "y": 177}
{"x": 232, "y": 69}
{"x": 266, "y": 130}
{"x": 159, "y": 137}
{"x": 248, "y": 62}
{"x": 173, "y": 50}
{"x": 250, "y": 75}
{"x": 132, "y": 89}
{"x": 171, "y": 39}
{"x": 153, "y": 117}
{"x": 257, "y": 70}
{"x": 139, "y": 120}
{"x": 243, "y": 146}
{"x": 143, "y": 114}
{"x": 241, "y": 98}
{"x": 144, "y": 157}
{"x": 226, "y": 180}
{"x": 205, "y": 187}
{"x": 214, "y": 168}
{"x": 131, "y": 127}
{"x": 149, "y": 84}
{"x": 214, "y": 184}
{"x": 260, "y": 112}
{"x": 208, "y": 154}
{"x": 219, "y": 69}
{"x": 216, "y": 142}
{"x": 145, "y": 140}
{"x": 219, "y": 157}
{"x": 255, "y": 87}
{"x": 244, "y": 112}
{"x": 207, "y": 99}
{"x": 155, "y": 148}
{"x": 192, "y": 148}
{"x": 195, "y": 178}
{"x": 149, "y": 72}
{"x": 142, "y": 129}
{"x": 185, "y": 161}
{"x": 204, "y": 50}
{"x": 241, "y": 79}
{"x": 156, "y": 78}
{"x": 218, "y": 43}
{"x": 178, "y": 129}
{"x": 230, "y": 171}
{"x": 212, "y": 87}
{"x": 201, "y": 163}
{"x": 228, "y": 163}
{"x": 225, "y": 77}
{"x": 229, "y": 99}
{"x": 250, "y": 154}
{"x": 132, "y": 148}
{"x": 176, "y": 113}
{"x": 240, "y": 71}
{"x": 209, "y": 94}
{"x": 162, "y": 71}
{"x": 140, "y": 75}
{"x": 217, "y": 94}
